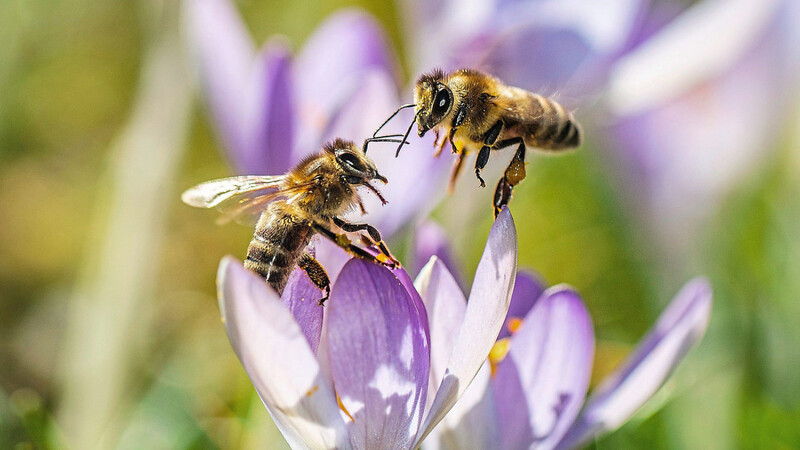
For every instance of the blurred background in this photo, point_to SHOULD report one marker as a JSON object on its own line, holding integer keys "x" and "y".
{"x": 110, "y": 335}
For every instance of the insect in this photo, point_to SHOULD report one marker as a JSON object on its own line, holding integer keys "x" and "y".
{"x": 293, "y": 207}
{"x": 481, "y": 113}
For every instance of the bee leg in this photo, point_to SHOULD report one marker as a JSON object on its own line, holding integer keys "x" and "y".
{"x": 317, "y": 274}
{"x": 438, "y": 143}
{"x": 374, "y": 235}
{"x": 450, "y": 137}
{"x": 360, "y": 204}
{"x": 514, "y": 173}
{"x": 344, "y": 242}
{"x": 456, "y": 172}
{"x": 483, "y": 155}
{"x": 480, "y": 163}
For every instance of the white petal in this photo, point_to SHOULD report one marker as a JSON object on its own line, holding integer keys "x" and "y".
{"x": 486, "y": 311}
{"x": 446, "y": 305}
{"x": 276, "y": 356}
{"x": 472, "y": 423}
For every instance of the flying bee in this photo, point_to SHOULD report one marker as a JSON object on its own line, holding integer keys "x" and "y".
{"x": 293, "y": 207}
{"x": 481, "y": 113}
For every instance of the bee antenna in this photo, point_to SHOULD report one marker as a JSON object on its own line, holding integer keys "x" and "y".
{"x": 405, "y": 136}
{"x": 410, "y": 105}
{"x": 387, "y": 138}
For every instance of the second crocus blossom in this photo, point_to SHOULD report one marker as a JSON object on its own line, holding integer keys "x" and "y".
{"x": 270, "y": 108}
{"x": 363, "y": 379}
{"x": 534, "y": 394}
{"x": 699, "y": 106}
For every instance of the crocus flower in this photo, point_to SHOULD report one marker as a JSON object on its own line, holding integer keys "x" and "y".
{"x": 358, "y": 373}
{"x": 533, "y": 392}
{"x": 700, "y": 105}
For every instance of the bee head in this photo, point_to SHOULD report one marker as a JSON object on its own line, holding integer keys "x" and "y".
{"x": 357, "y": 168}
{"x": 434, "y": 100}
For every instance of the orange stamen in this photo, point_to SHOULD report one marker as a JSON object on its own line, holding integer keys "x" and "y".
{"x": 341, "y": 406}
{"x": 513, "y": 324}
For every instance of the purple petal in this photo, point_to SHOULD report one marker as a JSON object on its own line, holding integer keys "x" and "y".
{"x": 220, "y": 43}
{"x": 680, "y": 326}
{"x": 416, "y": 299}
{"x": 347, "y": 44}
{"x": 332, "y": 63}
{"x": 302, "y": 297}
{"x": 378, "y": 354}
{"x": 527, "y": 289}
{"x": 540, "y": 386}
{"x": 431, "y": 240}
{"x": 270, "y": 117}
{"x": 486, "y": 310}
{"x": 277, "y": 358}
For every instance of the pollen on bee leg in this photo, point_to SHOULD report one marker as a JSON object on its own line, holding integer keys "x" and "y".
{"x": 342, "y": 240}
{"x": 498, "y": 353}
{"x": 515, "y": 172}
{"x": 341, "y": 406}
{"x": 387, "y": 260}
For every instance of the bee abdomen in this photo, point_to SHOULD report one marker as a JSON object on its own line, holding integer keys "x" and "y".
{"x": 556, "y": 128}
{"x": 274, "y": 251}
{"x": 271, "y": 262}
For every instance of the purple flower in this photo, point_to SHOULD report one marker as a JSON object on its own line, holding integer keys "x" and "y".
{"x": 700, "y": 105}
{"x": 270, "y": 108}
{"x": 533, "y": 393}
{"x": 359, "y": 373}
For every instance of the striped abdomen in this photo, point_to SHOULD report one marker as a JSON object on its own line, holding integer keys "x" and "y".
{"x": 277, "y": 244}
{"x": 552, "y": 127}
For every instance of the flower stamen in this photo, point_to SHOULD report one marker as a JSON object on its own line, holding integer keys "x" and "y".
{"x": 513, "y": 324}
{"x": 342, "y": 407}
{"x": 498, "y": 353}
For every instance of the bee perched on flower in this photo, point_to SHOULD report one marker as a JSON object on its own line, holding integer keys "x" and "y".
{"x": 292, "y": 208}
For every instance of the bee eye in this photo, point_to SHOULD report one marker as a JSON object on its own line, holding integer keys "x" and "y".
{"x": 351, "y": 161}
{"x": 441, "y": 103}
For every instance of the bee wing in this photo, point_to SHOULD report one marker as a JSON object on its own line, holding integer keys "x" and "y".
{"x": 213, "y": 193}
{"x": 237, "y": 198}
{"x": 242, "y": 198}
{"x": 246, "y": 209}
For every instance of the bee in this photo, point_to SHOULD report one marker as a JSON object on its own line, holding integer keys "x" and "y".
{"x": 481, "y": 113}
{"x": 309, "y": 199}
